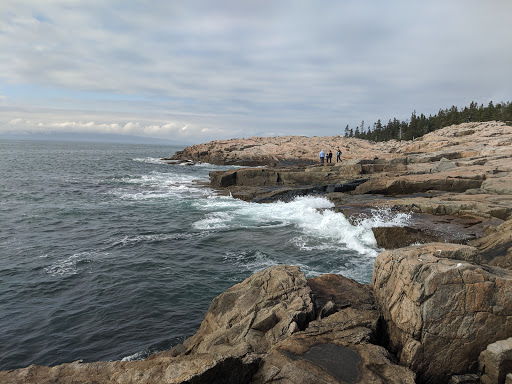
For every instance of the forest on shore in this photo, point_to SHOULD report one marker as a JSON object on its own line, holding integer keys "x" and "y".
{"x": 419, "y": 125}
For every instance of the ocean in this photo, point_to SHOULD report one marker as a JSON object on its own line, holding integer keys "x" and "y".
{"x": 108, "y": 253}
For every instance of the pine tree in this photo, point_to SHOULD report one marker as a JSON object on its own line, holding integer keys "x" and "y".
{"x": 421, "y": 125}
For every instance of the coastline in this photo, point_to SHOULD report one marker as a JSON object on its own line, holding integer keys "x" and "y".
{"x": 434, "y": 310}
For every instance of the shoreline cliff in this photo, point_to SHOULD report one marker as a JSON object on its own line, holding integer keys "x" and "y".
{"x": 439, "y": 309}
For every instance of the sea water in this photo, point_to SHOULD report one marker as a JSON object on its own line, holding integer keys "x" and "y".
{"x": 107, "y": 252}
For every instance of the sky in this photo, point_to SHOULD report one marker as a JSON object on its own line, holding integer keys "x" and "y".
{"x": 198, "y": 71}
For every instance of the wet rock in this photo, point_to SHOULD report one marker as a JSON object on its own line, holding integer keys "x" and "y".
{"x": 398, "y": 237}
{"x": 340, "y": 362}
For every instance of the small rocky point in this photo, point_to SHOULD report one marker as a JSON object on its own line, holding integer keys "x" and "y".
{"x": 439, "y": 309}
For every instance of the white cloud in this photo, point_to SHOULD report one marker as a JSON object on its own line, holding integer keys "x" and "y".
{"x": 173, "y": 130}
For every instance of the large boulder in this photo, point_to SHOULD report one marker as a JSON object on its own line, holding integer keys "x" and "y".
{"x": 440, "y": 310}
{"x": 255, "y": 314}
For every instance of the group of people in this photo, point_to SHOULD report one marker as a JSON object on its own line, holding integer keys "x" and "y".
{"x": 328, "y": 157}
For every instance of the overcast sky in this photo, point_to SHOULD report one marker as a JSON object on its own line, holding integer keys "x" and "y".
{"x": 204, "y": 70}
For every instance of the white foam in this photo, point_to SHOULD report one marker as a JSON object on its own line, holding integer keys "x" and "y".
{"x": 158, "y": 237}
{"x": 69, "y": 265}
{"x": 162, "y": 179}
{"x": 254, "y": 262}
{"x": 385, "y": 217}
{"x": 159, "y": 185}
{"x": 319, "y": 226}
{"x": 214, "y": 220}
{"x": 137, "y": 355}
{"x": 150, "y": 160}
{"x": 171, "y": 192}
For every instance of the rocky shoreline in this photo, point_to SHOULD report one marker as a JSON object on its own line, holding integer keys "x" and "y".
{"x": 439, "y": 309}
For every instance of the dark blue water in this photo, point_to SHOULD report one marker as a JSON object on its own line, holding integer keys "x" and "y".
{"x": 108, "y": 253}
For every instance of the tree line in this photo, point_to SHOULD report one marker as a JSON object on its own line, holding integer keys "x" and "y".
{"x": 419, "y": 125}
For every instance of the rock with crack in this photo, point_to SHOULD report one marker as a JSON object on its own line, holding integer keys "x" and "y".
{"x": 441, "y": 311}
{"x": 336, "y": 349}
{"x": 255, "y": 314}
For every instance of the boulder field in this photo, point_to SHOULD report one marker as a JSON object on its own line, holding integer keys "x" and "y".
{"x": 438, "y": 310}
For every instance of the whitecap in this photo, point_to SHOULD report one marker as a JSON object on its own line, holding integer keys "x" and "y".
{"x": 250, "y": 261}
{"x": 149, "y": 160}
{"x": 214, "y": 220}
{"x": 154, "y": 238}
{"x": 69, "y": 265}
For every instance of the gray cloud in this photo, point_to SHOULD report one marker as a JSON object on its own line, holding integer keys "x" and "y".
{"x": 232, "y": 68}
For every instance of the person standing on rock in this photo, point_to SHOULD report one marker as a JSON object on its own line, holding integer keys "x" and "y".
{"x": 322, "y": 156}
{"x": 330, "y": 157}
{"x": 338, "y": 156}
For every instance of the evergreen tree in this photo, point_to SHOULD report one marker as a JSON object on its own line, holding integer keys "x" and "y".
{"x": 489, "y": 112}
{"x": 421, "y": 125}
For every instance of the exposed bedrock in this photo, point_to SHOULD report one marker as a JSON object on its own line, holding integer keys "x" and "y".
{"x": 340, "y": 346}
{"x": 440, "y": 309}
{"x": 454, "y": 181}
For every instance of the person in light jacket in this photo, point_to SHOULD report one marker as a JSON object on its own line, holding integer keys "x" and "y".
{"x": 322, "y": 156}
